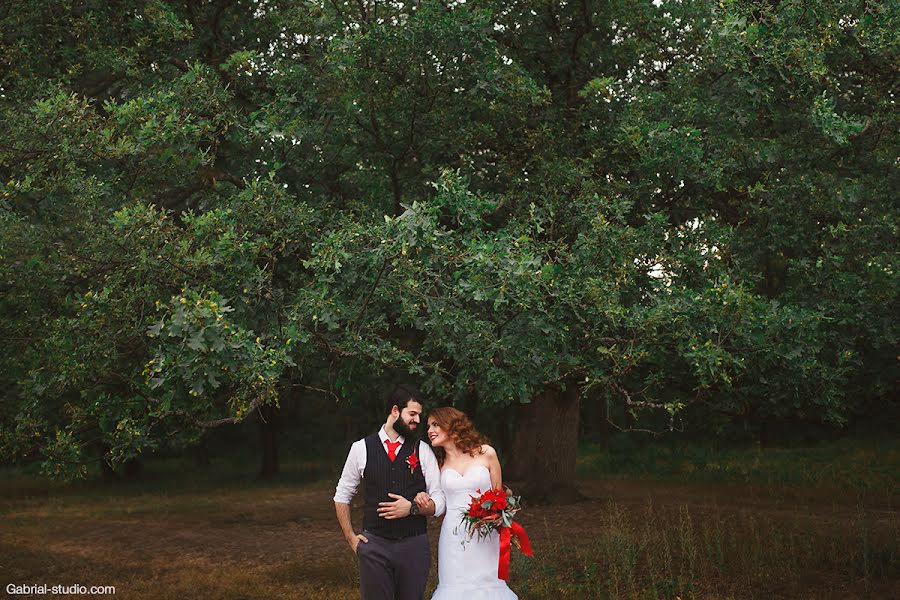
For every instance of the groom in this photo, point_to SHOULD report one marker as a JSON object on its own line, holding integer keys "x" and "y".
{"x": 394, "y": 466}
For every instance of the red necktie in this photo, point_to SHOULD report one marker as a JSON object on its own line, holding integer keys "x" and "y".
{"x": 392, "y": 449}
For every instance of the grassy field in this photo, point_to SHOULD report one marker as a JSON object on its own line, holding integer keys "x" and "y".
{"x": 855, "y": 465}
{"x": 814, "y": 522}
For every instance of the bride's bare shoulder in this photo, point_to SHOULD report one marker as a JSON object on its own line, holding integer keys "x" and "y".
{"x": 488, "y": 450}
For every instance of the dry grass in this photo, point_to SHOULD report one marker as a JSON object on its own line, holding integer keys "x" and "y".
{"x": 629, "y": 540}
{"x": 262, "y": 542}
{"x": 676, "y": 541}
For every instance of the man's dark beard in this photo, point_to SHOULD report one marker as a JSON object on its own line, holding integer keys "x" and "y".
{"x": 403, "y": 429}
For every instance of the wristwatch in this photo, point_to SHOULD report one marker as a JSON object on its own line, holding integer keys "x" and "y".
{"x": 414, "y": 510}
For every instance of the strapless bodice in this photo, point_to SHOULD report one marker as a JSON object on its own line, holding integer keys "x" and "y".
{"x": 459, "y": 488}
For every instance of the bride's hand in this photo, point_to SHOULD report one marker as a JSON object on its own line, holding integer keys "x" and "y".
{"x": 422, "y": 499}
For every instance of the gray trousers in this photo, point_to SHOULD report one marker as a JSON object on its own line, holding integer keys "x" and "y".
{"x": 393, "y": 569}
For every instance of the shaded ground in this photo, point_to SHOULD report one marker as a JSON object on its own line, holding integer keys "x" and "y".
{"x": 283, "y": 542}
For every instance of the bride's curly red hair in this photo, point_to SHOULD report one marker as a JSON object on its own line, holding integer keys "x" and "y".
{"x": 460, "y": 429}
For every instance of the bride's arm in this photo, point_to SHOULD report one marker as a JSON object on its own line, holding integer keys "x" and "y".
{"x": 493, "y": 466}
{"x": 432, "y": 482}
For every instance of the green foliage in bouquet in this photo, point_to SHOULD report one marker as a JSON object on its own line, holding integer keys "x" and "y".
{"x": 490, "y": 511}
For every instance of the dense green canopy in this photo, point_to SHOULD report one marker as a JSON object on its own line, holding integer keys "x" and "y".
{"x": 675, "y": 205}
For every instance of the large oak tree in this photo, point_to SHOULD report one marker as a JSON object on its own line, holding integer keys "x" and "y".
{"x": 662, "y": 206}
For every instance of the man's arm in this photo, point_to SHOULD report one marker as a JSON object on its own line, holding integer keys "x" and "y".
{"x": 346, "y": 489}
{"x": 352, "y": 473}
{"x": 343, "y": 517}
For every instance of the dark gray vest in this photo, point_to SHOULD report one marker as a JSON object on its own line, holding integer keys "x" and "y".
{"x": 381, "y": 477}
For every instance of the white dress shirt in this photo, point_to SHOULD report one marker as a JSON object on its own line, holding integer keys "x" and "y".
{"x": 356, "y": 466}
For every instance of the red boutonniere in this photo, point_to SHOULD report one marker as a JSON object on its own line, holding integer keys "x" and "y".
{"x": 413, "y": 461}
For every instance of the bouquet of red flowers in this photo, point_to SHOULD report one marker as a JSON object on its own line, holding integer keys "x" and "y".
{"x": 493, "y": 511}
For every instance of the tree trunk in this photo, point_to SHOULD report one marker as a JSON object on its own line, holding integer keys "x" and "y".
{"x": 130, "y": 470}
{"x": 763, "y": 433}
{"x": 545, "y": 447}
{"x": 503, "y": 441}
{"x": 106, "y": 471}
{"x": 595, "y": 418}
{"x": 470, "y": 402}
{"x": 201, "y": 454}
{"x": 268, "y": 438}
{"x": 133, "y": 469}
{"x": 603, "y": 424}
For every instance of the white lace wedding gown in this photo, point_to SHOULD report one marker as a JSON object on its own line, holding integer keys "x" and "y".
{"x": 467, "y": 572}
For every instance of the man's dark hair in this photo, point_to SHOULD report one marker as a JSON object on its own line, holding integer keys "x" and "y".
{"x": 401, "y": 394}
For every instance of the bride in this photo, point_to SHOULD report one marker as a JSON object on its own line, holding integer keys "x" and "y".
{"x": 467, "y": 568}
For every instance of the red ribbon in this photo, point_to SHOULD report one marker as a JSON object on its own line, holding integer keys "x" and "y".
{"x": 506, "y": 534}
